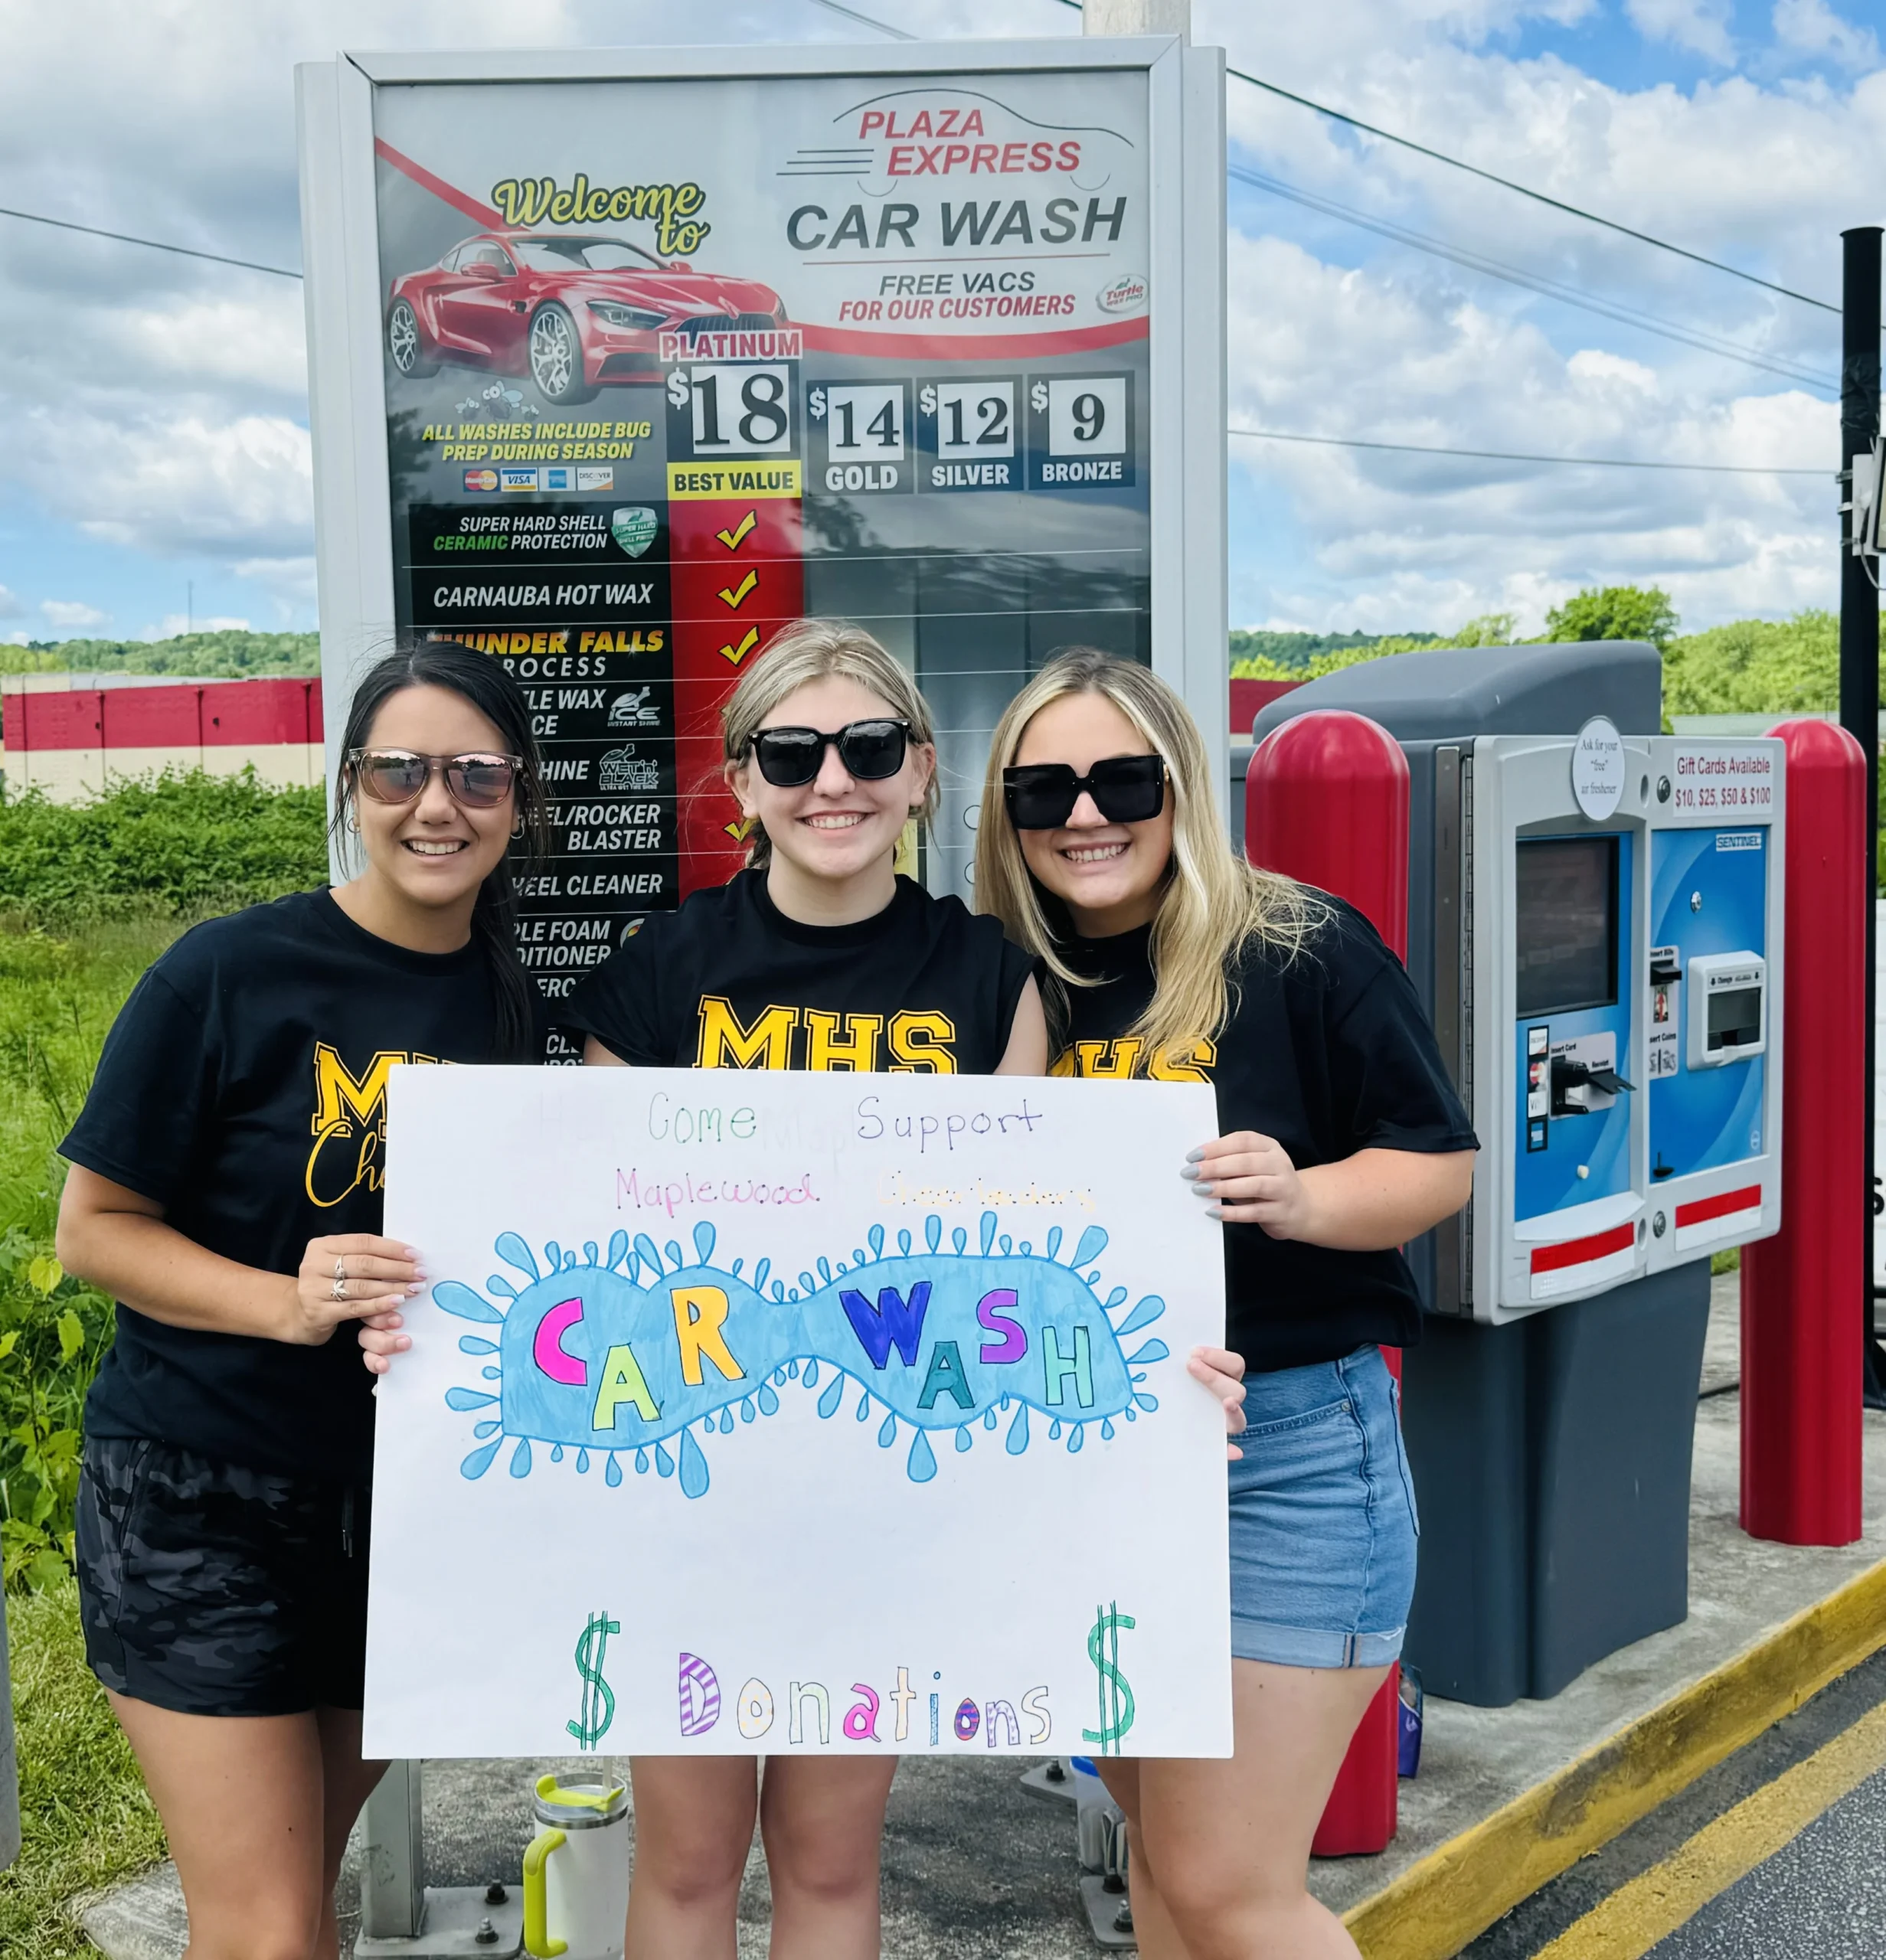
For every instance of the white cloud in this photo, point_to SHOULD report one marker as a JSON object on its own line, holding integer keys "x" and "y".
{"x": 174, "y": 623}
{"x": 71, "y": 615}
{"x": 1395, "y": 541}
{"x": 1815, "y": 28}
{"x": 10, "y": 607}
{"x": 159, "y": 405}
{"x": 1701, "y": 27}
{"x": 185, "y": 484}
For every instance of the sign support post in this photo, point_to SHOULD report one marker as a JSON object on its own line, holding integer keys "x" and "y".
{"x": 1859, "y": 691}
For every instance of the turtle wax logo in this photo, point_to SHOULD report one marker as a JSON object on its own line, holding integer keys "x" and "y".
{"x": 525, "y": 202}
{"x": 1127, "y": 294}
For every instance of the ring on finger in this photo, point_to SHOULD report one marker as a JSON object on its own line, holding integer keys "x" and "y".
{"x": 338, "y": 1291}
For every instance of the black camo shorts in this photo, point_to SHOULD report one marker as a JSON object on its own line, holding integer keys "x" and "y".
{"x": 214, "y": 1589}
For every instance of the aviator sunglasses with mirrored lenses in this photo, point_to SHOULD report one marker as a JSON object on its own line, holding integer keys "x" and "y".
{"x": 790, "y": 757}
{"x": 1125, "y": 789}
{"x": 480, "y": 781}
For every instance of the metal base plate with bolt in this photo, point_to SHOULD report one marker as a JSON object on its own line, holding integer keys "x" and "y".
{"x": 400, "y": 1914}
{"x": 1110, "y": 1918}
{"x": 1099, "y": 1845}
{"x": 455, "y": 1921}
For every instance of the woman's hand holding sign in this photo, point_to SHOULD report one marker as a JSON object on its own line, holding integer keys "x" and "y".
{"x": 1223, "y": 1373}
{"x": 1368, "y": 1202}
{"x": 349, "y": 1277}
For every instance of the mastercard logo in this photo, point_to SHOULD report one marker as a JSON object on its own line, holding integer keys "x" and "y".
{"x": 481, "y": 479}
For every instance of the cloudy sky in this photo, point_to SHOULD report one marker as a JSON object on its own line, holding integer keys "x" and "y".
{"x": 155, "y": 407}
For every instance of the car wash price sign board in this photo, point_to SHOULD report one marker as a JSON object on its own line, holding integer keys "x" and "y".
{"x": 622, "y": 364}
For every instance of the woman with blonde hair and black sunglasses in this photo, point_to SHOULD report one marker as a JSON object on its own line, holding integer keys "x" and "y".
{"x": 1100, "y": 850}
{"x": 819, "y": 955}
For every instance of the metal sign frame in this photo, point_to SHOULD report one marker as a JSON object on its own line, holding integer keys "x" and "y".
{"x": 1186, "y": 422}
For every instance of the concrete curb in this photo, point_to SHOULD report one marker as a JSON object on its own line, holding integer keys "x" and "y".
{"x": 1457, "y": 1891}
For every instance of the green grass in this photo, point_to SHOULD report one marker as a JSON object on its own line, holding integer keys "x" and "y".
{"x": 89, "y": 897}
{"x": 84, "y": 1816}
{"x": 86, "y": 1820}
{"x": 58, "y": 996}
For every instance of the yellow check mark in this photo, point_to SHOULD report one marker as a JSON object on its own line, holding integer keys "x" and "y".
{"x": 731, "y": 539}
{"x": 738, "y": 831}
{"x": 737, "y": 654}
{"x": 733, "y": 595}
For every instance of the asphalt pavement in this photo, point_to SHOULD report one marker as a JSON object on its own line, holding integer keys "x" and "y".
{"x": 1777, "y": 1853}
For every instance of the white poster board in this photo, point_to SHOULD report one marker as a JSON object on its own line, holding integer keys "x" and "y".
{"x": 753, "y": 1413}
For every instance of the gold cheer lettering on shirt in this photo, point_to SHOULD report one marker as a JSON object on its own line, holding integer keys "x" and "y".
{"x": 778, "y": 1037}
{"x": 350, "y": 1108}
{"x": 1122, "y": 1058}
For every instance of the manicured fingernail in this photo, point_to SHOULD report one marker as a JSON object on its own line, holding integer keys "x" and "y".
{"x": 1188, "y": 1170}
{"x": 1204, "y": 1190}
{"x": 412, "y": 1289}
{"x": 1215, "y": 1211}
{"x": 412, "y": 1252}
{"x": 1193, "y": 1156}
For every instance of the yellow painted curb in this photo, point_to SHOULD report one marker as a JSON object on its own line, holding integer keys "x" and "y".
{"x": 1637, "y": 1916}
{"x": 1458, "y": 1890}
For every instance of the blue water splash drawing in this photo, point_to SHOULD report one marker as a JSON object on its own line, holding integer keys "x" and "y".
{"x": 642, "y": 1349}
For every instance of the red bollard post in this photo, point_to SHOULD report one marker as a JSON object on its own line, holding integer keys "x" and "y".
{"x": 1801, "y": 1347}
{"x": 1326, "y": 801}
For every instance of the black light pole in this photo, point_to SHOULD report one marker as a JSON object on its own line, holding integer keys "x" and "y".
{"x": 1859, "y": 676}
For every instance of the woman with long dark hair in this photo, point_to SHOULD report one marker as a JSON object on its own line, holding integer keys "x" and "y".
{"x": 225, "y": 1187}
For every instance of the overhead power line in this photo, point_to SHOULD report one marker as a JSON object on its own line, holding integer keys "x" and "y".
{"x": 1572, "y": 296}
{"x": 864, "y": 20}
{"x": 1626, "y": 315}
{"x": 1504, "y": 183}
{"x": 1521, "y": 455}
{"x": 154, "y": 244}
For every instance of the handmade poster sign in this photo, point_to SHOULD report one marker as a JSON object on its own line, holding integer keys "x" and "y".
{"x": 754, "y": 1413}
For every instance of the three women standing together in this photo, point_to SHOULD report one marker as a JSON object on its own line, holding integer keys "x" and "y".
{"x": 224, "y": 1187}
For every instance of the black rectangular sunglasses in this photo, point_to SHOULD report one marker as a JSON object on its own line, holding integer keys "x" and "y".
{"x": 1125, "y": 789}
{"x": 790, "y": 757}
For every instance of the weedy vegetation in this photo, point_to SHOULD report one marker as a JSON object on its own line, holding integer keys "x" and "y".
{"x": 89, "y": 895}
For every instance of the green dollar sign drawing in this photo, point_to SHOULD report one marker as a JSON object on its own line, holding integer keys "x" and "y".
{"x": 1116, "y": 1698}
{"x": 599, "y": 1704}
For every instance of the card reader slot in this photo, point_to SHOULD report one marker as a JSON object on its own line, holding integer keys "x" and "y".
{"x": 1569, "y": 1077}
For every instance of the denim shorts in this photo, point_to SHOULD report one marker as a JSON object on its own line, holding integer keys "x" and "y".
{"x": 1323, "y": 1522}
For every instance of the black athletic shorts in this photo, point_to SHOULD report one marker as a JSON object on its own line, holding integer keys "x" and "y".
{"x": 214, "y": 1589}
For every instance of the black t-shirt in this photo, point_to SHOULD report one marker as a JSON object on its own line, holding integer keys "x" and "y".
{"x": 243, "y": 1087}
{"x": 1329, "y": 1053}
{"x": 729, "y": 982}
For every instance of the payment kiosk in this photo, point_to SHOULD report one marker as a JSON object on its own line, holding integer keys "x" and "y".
{"x": 1594, "y": 923}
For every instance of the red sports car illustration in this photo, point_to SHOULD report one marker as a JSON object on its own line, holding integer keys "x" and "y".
{"x": 572, "y": 312}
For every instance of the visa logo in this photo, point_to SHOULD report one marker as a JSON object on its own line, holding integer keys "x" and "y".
{"x": 518, "y": 479}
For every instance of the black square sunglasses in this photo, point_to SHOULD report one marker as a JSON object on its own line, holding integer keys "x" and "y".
{"x": 790, "y": 757}
{"x": 1125, "y": 789}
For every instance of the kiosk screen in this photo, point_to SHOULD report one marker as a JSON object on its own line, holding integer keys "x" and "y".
{"x": 1567, "y": 925}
